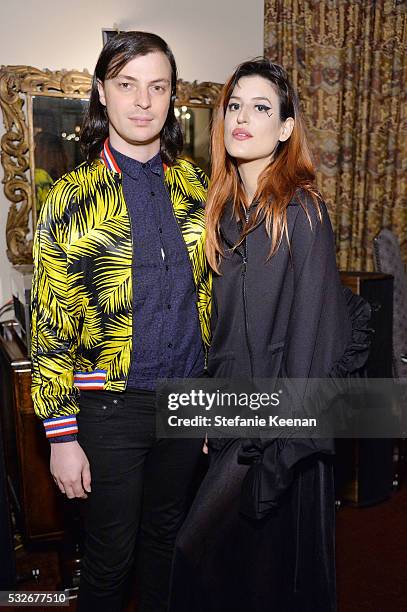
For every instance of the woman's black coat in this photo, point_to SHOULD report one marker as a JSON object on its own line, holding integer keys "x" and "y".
{"x": 288, "y": 316}
{"x": 297, "y": 323}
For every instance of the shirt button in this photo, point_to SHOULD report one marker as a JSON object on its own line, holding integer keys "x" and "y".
{"x": 144, "y": 165}
{"x": 169, "y": 306}
{"x": 115, "y": 401}
{"x": 167, "y": 268}
{"x": 160, "y": 230}
{"x": 170, "y": 345}
{"x": 152, "y": 193}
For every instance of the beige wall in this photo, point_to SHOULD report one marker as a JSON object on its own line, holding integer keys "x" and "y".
{"x": 208, "y": 39}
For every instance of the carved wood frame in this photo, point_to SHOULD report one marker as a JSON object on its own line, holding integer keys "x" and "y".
{"x": 17, "y": 85}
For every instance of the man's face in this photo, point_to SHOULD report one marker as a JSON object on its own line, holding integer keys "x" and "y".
{"x": 137, "y": 102}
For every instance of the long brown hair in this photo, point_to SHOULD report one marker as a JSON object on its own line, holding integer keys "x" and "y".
{"x": 289, "y": 169}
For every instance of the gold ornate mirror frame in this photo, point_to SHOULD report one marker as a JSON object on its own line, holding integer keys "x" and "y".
{"x": 18, "y": 84}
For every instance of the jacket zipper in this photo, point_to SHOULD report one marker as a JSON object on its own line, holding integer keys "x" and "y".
{"x": 246, "y": 319}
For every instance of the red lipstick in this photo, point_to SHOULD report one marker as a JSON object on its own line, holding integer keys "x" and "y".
{"x": 241, "y": 134}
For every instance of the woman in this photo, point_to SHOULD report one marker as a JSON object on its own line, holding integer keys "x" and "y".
{"x": 260, "y": 535}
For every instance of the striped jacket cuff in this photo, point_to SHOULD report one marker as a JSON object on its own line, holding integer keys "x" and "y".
{"x": 61, "y": 426}
{"x": 61, "y": 439}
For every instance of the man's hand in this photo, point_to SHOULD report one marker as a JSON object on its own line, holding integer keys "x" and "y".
{"x": 70, "y": 469}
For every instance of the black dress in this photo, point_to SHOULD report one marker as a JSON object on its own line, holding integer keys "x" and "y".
{"x": 260, "y": 536}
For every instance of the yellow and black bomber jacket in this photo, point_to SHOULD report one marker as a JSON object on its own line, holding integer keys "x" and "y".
{"x": 82, "y": 286}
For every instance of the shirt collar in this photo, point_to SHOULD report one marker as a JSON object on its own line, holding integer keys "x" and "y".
{"x": 118, "y": 162}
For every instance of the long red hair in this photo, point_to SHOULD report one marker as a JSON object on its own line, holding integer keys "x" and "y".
{"x": 289, "y": 169}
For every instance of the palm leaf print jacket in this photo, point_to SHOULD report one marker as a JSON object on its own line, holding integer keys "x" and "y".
{"x": 82, "y": 287}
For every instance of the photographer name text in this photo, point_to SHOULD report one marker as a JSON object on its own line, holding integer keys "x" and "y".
{"x": 239, "y": 421}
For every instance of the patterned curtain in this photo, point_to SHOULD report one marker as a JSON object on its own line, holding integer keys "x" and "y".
{"x": 348, "y": 61}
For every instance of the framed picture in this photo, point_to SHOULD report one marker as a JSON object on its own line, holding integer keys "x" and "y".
{"x": 108, "y": 33}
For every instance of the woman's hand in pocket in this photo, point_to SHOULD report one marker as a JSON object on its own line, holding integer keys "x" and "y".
{"x": 205, "y": 445}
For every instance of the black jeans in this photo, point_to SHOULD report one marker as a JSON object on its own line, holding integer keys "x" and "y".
{"x": 141, "y": 490}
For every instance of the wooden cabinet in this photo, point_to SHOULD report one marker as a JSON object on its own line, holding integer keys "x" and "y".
{"x": 365, "y": 468}
{"x": 36, "y": 502}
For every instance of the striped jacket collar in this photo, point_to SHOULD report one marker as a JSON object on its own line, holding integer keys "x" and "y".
{"x": 109, "y": 160}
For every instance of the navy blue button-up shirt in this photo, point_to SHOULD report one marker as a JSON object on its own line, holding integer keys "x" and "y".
{"x": 167, "y": 340}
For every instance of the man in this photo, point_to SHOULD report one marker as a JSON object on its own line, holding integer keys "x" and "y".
{"x": 121, "y": 299}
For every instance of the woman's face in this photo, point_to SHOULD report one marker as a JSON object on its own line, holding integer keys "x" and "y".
{"x": 252, "y": 120}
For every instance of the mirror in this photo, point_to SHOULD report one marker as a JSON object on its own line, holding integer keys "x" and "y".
{"x": 42, "y": 113}
{"x": 55, "y": 124}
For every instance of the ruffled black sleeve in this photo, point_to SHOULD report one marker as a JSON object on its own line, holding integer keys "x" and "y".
{"x": 357, "y": 351}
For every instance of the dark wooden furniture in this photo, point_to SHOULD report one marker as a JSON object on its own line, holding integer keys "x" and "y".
{"x": 37, "y": 504}
{"x": 364, "y": 467}
{"x": 7, "y": 557}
